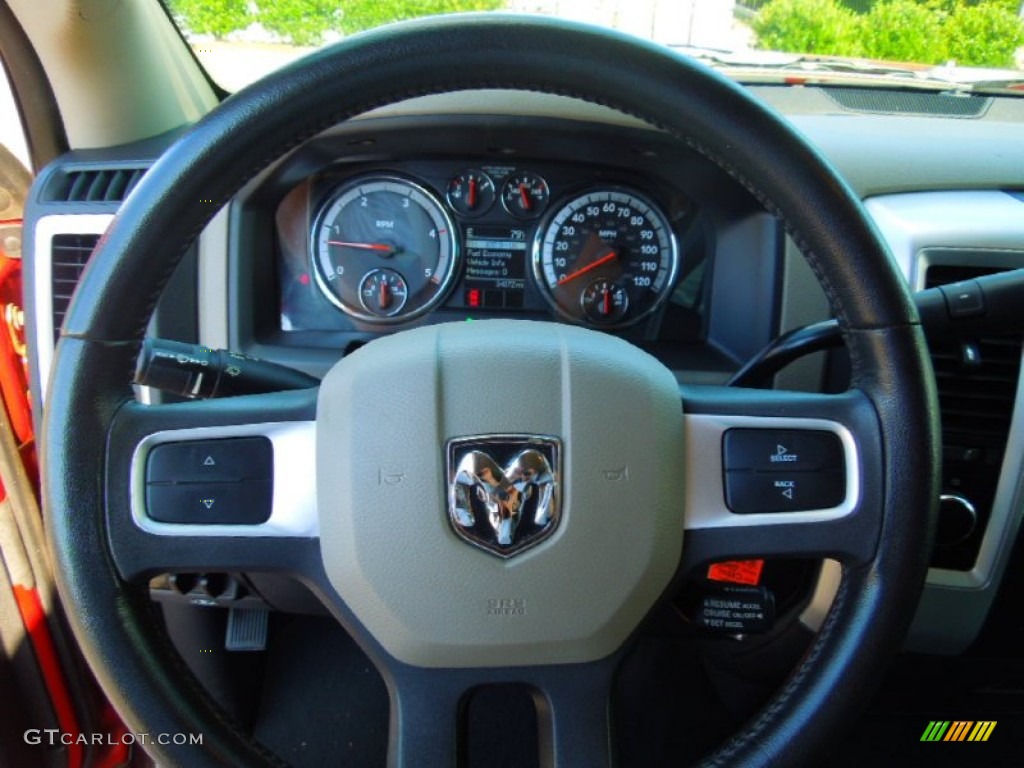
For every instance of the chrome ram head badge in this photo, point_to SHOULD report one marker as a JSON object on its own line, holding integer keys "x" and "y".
{"x": 503, "y": 490}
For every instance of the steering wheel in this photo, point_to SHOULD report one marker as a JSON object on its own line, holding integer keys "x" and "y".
{"x": 368, "y": 531}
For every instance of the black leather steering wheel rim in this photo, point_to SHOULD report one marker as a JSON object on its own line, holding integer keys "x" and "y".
{"x": 91, "y": 375}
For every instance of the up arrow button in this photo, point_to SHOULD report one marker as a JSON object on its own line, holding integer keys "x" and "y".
{"x": 227, "y": 460}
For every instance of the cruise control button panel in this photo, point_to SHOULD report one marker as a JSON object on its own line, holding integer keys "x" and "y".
{"x": 211, "y": 482}
{"x": 782, "y": 470}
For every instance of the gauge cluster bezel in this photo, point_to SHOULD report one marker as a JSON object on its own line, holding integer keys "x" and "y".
{"x": 275, "y": 309}
{"x": 495, "y": 273}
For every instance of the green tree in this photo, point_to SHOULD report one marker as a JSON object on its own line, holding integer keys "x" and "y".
{"x": 807, "y": 26}
{"x": 902, "y": 30}
{"x": 366, "y": 14}
{"x": 211, "y": 17}
{"x": 304, "y": 22}
{"x": 971, "y": 32}
{"x": 983, "y": 35}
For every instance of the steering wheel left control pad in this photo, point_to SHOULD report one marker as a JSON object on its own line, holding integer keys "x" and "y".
{"x": 500, "y": 493}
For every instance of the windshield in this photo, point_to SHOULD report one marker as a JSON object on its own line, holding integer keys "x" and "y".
{"x": 975, "y": 45}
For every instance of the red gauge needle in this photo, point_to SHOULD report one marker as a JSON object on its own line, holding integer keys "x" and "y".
{"x": 592, "y": 265}
{"x": 524, "y": 197}
{"x": 385, "y": 295}
{"x": 471, "y": 196}
{"x": 606, "y": 301}
{"x": 382, "y": 247}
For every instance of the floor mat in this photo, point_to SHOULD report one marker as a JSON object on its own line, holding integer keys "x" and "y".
{"x": 323, "y": 702}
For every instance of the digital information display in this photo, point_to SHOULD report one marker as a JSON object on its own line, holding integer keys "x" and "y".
{"x": 495, "y": 267}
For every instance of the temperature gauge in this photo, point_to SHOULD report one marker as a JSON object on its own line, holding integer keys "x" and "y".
{"x": 383, "y": 292}
{"x": 525, "y": 195}
{"x": 604, "y": 302}
{"x": 471, "y": 193}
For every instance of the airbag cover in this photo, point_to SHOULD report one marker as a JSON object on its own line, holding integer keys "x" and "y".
{"x": 429, "y": 597}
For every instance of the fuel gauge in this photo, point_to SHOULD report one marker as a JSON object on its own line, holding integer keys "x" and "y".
{"x": 525, "y": 195}
{"x": 471, "y": 193}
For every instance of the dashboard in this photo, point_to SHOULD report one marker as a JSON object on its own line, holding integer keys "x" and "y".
{"x": 484, "y": 205}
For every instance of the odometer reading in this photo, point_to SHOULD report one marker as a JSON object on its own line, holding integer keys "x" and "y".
{"x": 606, "y": 258}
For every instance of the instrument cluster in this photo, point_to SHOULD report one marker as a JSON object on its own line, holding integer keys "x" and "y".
{"x": 385, "y": 246}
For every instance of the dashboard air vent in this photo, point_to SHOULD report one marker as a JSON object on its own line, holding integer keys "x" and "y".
{"x": 977, "y": 392}
{"x": 880, "y": 101}
{"x": 69, "y": 255}
{"x": 93, "y": 185}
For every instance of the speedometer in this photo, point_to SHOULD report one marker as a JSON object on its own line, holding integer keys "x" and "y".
{"x": 606, "y": 258}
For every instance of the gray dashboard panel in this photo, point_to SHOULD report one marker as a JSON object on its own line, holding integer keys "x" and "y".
{"x": 881, "y": 154}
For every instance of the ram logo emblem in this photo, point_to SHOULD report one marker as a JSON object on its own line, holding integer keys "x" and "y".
{"x": 504, "y": 491}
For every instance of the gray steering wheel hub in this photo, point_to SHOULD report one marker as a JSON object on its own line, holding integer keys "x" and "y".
{"x": 387, "y": 416}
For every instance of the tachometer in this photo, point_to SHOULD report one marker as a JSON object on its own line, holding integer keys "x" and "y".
{"x": 606, "y": 258}
{"x": 384, "y": 250}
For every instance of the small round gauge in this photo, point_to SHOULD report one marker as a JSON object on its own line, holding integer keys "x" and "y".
{"x": 383, "y": 292}
{"x": 387, "y": 235}
{"x": 606, "y": 258}
{"x": 525, "y": 195}
{"x": 471, "y": 193}
{"x": 604, "y": 301}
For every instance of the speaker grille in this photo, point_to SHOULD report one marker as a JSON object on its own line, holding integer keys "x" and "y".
{"x": 886, "y": 101}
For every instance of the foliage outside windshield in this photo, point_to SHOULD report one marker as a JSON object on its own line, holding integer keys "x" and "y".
{"x": 240, "y": 40}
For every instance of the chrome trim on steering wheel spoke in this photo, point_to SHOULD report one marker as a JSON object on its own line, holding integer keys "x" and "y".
{"x": 705, "y": 496}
